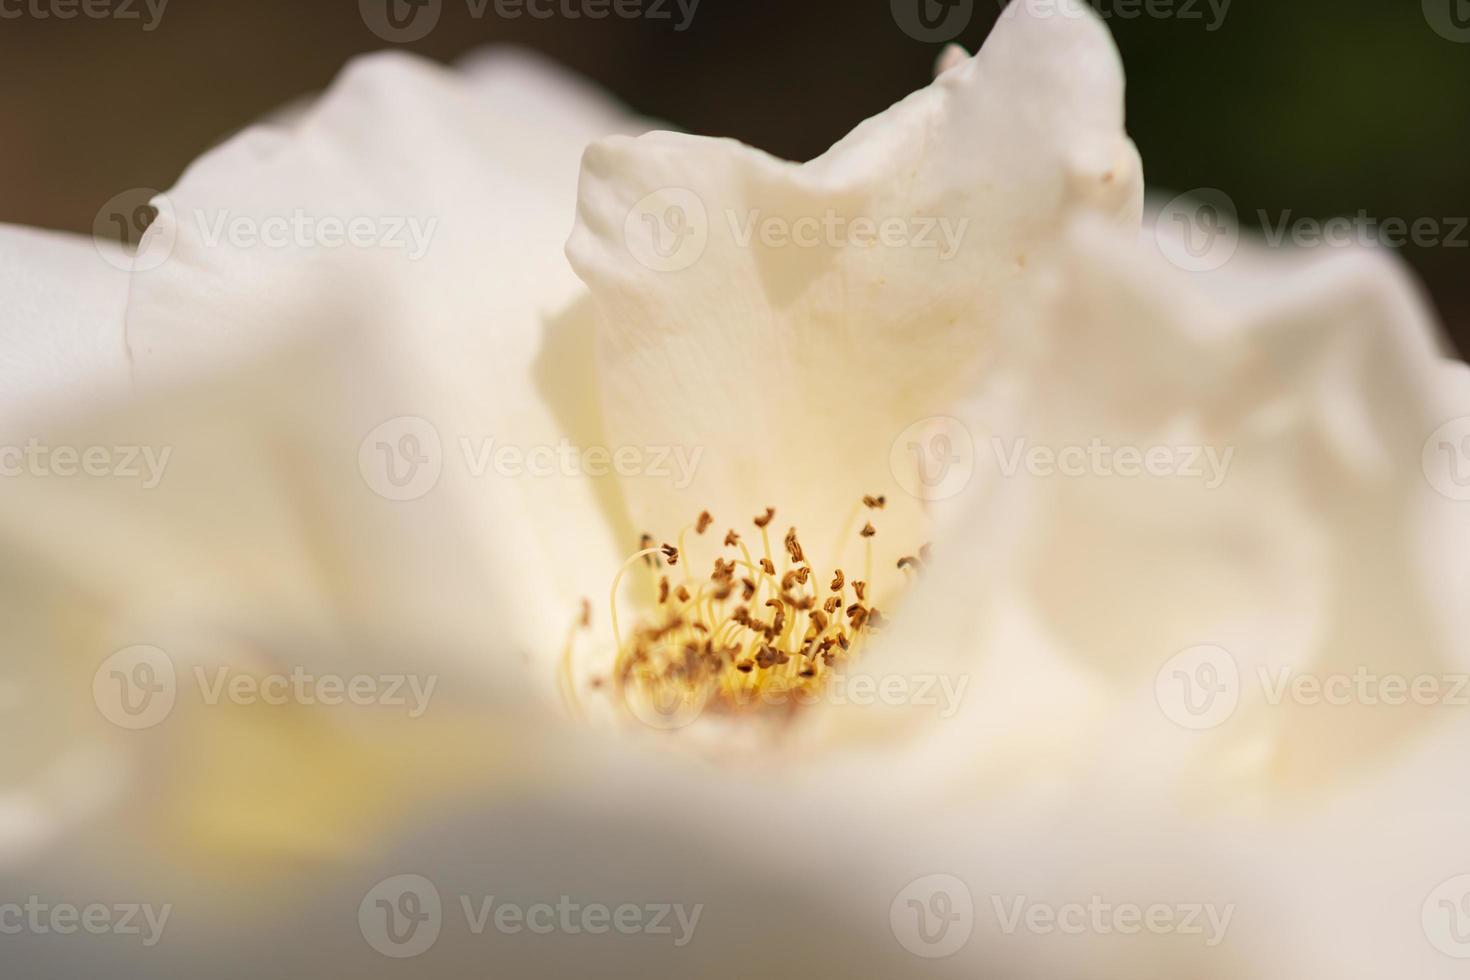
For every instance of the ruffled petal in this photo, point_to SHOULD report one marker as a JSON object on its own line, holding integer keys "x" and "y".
{"x": 790, "y": 322}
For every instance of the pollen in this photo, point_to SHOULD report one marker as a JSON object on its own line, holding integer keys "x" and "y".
{"x": 748, "y": 635}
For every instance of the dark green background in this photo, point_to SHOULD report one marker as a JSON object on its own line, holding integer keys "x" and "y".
{"x": 1324, "y": 107}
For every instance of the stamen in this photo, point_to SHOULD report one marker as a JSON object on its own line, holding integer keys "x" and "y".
{"x": 705, "y": 640}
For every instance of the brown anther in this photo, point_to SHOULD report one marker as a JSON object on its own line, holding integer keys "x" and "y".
{"x": 807, "y": 672}
{"x": 701, "y": 627}
{"x": 741, "y": 615}
{"x": 819, "y": 621}
{"x": 868, "y": 530}
{"x": 924, "y": 553}
{"x": 766, "y": 658}
{"x": 803, "y": 573}
{"x": 683, "y": 594}
{"x": 832, "y": 604}
{"x": 671, "y": 554}
{"x": 793, "y": 548}
{"x": 596, "y": 683}
{"x": 842, "y": 641}
{"x": 765, "y": 518}
{"x": 644, "y": 543}
{"x": 747, "y": 587}
{"x": 908, "y": 560}
{"x": 731, "y": 538}
{"x": 827, "y": 659}
{"x": 705, "y": 520}
{"x": 798, "y": 602}
{"x": 837, "y": 581}
{"x": 585, "y": 619}
{"x": 788, "y": 580}
{"x": 722, "y": 593}
{"x": 767, "y": 566}
{"x": 745, "y": 666}
{"x": 663, "y": 589}
{"x": 874, "y": 503}
{"x": 861, "y": 588}
{"x": 876, "y": 620}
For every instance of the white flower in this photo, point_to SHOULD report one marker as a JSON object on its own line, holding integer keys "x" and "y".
{"x": 1079, "y": 751}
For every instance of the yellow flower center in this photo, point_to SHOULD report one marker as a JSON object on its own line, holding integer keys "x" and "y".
{"x": 760, "y": 631}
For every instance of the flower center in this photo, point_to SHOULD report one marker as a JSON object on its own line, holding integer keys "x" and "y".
{"x": 762, "y": 630}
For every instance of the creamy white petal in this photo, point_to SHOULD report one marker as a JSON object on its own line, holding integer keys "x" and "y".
{"x": 791, "y": 321}
{"x": 61, "y": 319}
{"x": 463, "y": 187}
{"x": 245, "y": 523}
{"x": 1291, "y": 523}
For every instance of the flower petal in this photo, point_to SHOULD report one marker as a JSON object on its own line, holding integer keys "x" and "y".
{"x": 792, "y": 320}
{"x": 462, "y": 187}
{"x": 61, "y": 322}
{"x": 1288, "y": 526}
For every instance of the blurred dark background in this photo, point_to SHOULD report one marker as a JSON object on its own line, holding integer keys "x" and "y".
{"x": 1323, "y": 107}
